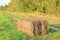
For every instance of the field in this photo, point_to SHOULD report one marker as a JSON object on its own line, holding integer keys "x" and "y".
{"x": 8, "y": 30}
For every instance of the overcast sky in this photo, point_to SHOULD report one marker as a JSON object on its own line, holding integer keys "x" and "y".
{"x": 4, "y": 2}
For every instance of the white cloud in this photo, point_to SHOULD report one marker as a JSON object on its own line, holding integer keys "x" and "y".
{"x": 4, "y": 2}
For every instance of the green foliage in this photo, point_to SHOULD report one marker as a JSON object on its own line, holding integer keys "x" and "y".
{"x": 8, "y": 30}
{"x": 45, "y": 6}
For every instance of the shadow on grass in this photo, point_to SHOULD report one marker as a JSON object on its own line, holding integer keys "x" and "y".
{"x": 55, "y": 25}
{"x": 52, "y": 30}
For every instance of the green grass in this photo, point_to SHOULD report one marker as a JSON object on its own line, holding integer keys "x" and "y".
{"x": 8, "y": 30}
{"x": 55, "y": 25}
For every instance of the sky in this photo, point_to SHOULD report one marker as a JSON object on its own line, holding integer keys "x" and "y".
{"x": 4, "y": 2}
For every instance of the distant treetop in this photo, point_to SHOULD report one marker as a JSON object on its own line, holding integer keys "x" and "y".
{"x": 4, "y": 2}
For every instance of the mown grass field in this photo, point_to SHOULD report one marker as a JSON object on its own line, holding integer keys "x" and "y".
{"x": 8, "y": 30}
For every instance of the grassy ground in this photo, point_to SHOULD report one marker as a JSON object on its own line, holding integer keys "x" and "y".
{"x": 8, "y": 29}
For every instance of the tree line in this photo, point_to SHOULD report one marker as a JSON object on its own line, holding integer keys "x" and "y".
{"x": 42, "y": 6}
